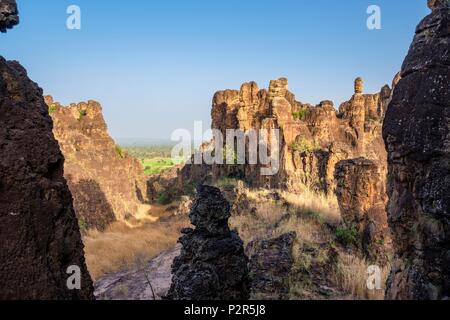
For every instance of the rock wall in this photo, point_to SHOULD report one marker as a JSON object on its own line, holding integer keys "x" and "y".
{"x": 212, "y": 264}
{"x": 362, "y": 199}
{"x": 417, "y": 135}
{"x": 313, "y": 138}
{"x": 106, "y": 183}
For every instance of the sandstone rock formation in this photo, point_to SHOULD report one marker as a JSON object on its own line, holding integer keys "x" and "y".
{"x": 270, "y": 266}
{"x": 417, "y": 135}
{"x": 212, "y": 264}
{"x": 313, "y": 138}
{"x": 362, "y": 199}
{"x": 9, "y": 15}
{"x": 106, "y": 183}
{"x": 39, "y": 234}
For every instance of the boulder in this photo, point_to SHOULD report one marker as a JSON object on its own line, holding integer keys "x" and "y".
{"x": 270, "y": 266}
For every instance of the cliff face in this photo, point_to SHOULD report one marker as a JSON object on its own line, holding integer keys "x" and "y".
{"x": 39, "y": 234}
{"x": 106, "y": 183}
{"x": 417, "y": 135}
{"x": 361, "y": 195}
{"x": 313, "y": 138}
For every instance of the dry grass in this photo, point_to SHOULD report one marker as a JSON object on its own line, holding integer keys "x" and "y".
{"x": 306, "y": 213}
{"x": 351, "y": 276}
{"x": 124, "y": 247}
{"x": 313, "y": 217}
{"x": 325, "y": 206}
{"x": 261, "y": 224}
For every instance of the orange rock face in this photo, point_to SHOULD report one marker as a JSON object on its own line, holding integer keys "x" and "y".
{"x": 361, "y": 194}
{"x": 106, "y": 183}
{"x": 313, "y": 138}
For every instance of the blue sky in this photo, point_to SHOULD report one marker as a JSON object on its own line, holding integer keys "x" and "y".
{"x": 155, "y": 65}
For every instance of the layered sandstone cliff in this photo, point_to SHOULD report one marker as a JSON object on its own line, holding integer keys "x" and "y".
{"x": 106, "y": 183}
{"x": 40, "y": 240}
{"x": 313, "y": 139}
{"x": 417, "y": 135}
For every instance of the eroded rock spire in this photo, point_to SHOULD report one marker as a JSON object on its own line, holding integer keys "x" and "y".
{"x": 212, "y": 264}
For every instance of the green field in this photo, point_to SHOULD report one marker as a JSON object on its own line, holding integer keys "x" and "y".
{"x": 154, "y": 159}
{"x": 157, "y": 165}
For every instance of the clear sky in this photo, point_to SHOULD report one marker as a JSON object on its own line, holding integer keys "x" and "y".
{"x": 155, "y": 65}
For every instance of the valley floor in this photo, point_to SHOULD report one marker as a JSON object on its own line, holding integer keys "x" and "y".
{"x": 130, "y": 246}
{"x": 134, "y": 262}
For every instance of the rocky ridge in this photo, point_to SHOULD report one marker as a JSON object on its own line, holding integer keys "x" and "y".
{"x": 106, "y": 183}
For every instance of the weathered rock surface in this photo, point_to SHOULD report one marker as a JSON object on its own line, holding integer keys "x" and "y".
{"x": 417, "y": 135}
{"x": 167, "y": 184}
{"x": 270, "y": 267}
{"x": 313, "y": 138}
{"x": 39, "y": 234}
{"x": 362, "y": 199}
{"x": 150, "y": 283}
{"x": 9, "y": 16}
{"x": 212, "y": 264}
{"x": 106, "y": 183}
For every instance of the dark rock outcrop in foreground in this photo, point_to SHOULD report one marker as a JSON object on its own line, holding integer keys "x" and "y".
{"x": 212, "y": 264}
{"x": 8, "y": 14}
{"x": 417, "y": 134}
{"x": 361, "y": 194}
{"x": 39, "y": 234}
